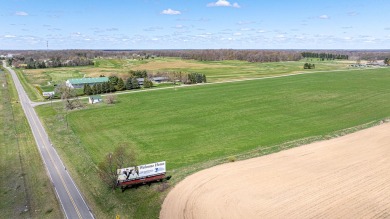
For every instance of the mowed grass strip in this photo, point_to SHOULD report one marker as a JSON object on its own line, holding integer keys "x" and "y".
{"x": 25, "y": 189}
{"x": 28, "y": 85}
{"x": 192, "y": 125}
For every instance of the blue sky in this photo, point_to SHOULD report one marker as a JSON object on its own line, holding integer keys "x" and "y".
{"x": 195, "y": 24}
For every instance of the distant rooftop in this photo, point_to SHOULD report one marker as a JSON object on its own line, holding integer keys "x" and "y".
{"x": 88, "y": 80}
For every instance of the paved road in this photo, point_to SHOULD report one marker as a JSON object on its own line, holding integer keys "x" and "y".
{"x": 68, "y": 194}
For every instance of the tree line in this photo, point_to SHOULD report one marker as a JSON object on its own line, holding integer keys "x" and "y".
{"x": 54, "y": 62}
{"x": 324, "y": 56}
{"x": 116, "y": 83}
{"x": 254, "y": 55}
{"x": 195, "y": 78}
{"x": 231, "y": 54}
{"x": 113, "y": 84}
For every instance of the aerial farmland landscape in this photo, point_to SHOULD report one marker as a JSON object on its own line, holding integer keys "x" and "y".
{"x": 203, "y": 109}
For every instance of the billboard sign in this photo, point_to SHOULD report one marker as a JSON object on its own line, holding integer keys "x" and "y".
{"x": 48, "y": 94}
{"x": 142, "y": 171}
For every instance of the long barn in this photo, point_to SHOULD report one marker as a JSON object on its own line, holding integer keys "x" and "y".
{"x": 80, "y": 82}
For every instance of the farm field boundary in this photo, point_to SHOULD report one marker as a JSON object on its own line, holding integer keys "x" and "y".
{"x": 343, "y": 177}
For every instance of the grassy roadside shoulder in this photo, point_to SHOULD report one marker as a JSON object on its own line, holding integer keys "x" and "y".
{"x": 25, "y": 191}
{"x": 143, "y": 202}
{"x": 32, "y": 92}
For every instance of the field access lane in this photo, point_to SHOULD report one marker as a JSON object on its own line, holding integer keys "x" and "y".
{"x": 68, "y": 194}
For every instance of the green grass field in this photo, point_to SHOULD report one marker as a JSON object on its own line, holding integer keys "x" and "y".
{"x": 25, "y": 189}
{"x": 187, "y": 126}
{"x": 214, "y": 70}
{"x": 191, "y": 126}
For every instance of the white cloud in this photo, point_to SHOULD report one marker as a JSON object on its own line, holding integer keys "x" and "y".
{"x": 236, "y": 5}
{"x": 245, "y": 22}
{"x": 76, "y": 34}
{"x": 9, "y": 36}
{"x": 21, "y": 13}
{"x": 353, "y": 13}
{"x": 370, "y": 40}
{"x": 324, "y": 16}
{"x": 170, "y": 12}
{"x": 223, "y": 3}
{"x": 151, "y": 29}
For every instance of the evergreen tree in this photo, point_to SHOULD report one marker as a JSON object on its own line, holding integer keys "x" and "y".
{"x": 386, "y": 61}
{"x": 87, "y": 89}
{"x": 135, "y": 83}
{"x": 98, "y": 88}
{"x": 148, "y": 83}
{"x": 105, "y": 87}
{"x": 121, "y": 85}
{"x": 199, "y": 78}
{"x": 113, "y": 80}
{"x": 129, "y": 84}
{"x": 111, "y": 87}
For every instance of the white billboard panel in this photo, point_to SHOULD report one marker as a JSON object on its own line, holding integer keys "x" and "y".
{"x": 142, "y": 171}
{"x": 48, "y": 94}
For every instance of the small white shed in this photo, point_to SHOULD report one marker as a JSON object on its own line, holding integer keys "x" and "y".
{"x": 95, "y": 99}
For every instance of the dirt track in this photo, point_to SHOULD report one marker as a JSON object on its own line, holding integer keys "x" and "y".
{"x": 346, "y": 177}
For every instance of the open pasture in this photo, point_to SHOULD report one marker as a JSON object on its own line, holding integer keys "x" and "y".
{"x": 214, "y": 70}
{"x": 191, "y": 125}
{"x": 233, "y": 69}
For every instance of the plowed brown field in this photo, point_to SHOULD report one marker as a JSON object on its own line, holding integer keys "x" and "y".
{"x": 346, "y": 177}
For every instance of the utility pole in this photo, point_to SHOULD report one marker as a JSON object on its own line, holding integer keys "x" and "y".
{"x": 47, "y": 48}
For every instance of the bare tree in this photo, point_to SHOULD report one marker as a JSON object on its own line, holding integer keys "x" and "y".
{"x": 123, "y": 156}
{"x": 69, "y": 96}
{"x": 107, "y": 171}
{"x": 110, "y": 99}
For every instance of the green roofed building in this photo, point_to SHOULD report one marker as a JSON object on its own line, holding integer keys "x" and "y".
{"x": 80, "y": 82}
